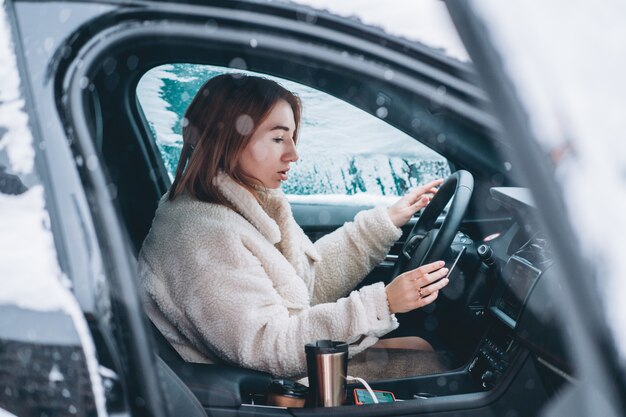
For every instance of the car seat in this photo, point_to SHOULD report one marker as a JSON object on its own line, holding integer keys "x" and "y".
{"x": 180, "y": 400}
{"x": 215, "y": 385}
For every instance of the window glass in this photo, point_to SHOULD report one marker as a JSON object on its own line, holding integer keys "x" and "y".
{"x": 346, "y": 155}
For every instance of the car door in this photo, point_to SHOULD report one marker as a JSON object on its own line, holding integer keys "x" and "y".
{"x": 47, "y": 361}
{"x": 73, "y": 348}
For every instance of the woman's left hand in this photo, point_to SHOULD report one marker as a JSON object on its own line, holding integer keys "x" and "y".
{"x": 413, "y": 201}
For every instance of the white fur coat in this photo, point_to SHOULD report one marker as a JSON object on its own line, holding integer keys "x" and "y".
{"x": 249, "y": 287}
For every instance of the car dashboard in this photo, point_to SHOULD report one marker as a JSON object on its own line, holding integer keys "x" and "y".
{"x": 522, "y": 312}
{"x": 521, "y": 349}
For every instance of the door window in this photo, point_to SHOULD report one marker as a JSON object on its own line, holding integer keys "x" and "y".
{"x": 347, "y": 156}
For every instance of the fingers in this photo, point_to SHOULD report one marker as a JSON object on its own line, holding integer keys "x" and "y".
{"x": 420, "y": 196}
{"x": 414, "y": 195}
{"x": 429, "y": 278}
{"x": 428, "y": 299}
{"x": 429, "y": 289}
{"x": 416, "y": 288}
{"x": 420, "y": 202}
{"x": 428, "y": 187}
{"x": 430, "y": 293}
{"x": 426, "y": 269}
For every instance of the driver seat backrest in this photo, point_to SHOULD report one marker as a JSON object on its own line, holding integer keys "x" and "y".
{"x": 165, "y": 350}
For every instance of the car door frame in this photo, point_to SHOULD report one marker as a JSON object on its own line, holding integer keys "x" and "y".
{"x": 89, "y": 240}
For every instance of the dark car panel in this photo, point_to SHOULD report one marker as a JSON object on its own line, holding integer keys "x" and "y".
{"x": 499, "y": 322}
{"x": 43, "y": 368}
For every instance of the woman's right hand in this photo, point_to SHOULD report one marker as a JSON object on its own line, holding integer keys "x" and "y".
{"x": 416, "y": 288}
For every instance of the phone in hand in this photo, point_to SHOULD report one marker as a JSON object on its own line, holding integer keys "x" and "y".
{"x": 451, "y": 269}
{"x": 456, "y": 260}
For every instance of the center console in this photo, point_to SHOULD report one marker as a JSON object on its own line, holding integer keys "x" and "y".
{"x": 499, "y": 346}
{"x": 496, "y": 352}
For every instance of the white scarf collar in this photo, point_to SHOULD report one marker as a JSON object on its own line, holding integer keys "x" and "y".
{"x": 270, "y": 215}
{"x": 247, "y": 205}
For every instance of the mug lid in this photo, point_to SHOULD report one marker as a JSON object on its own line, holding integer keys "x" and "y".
{"x": 326, "y": 346}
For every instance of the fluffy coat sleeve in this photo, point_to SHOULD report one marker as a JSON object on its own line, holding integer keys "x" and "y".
{"x": 349, "y": 253}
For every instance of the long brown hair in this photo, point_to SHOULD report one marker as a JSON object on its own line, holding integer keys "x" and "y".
{"x": 218, "y": 125}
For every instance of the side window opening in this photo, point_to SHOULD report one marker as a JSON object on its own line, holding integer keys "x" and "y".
{"x": 347, "y": 156}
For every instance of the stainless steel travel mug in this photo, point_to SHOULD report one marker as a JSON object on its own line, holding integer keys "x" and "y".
{"x": 327, "y": 367}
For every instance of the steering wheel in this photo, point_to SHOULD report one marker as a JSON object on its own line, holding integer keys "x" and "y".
{"x": 426, "y": 244}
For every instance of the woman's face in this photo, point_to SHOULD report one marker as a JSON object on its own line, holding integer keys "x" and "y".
{"x": 271, "y": 148}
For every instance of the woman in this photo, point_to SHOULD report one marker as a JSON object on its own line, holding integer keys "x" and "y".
{"x": 227, "y": 271}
